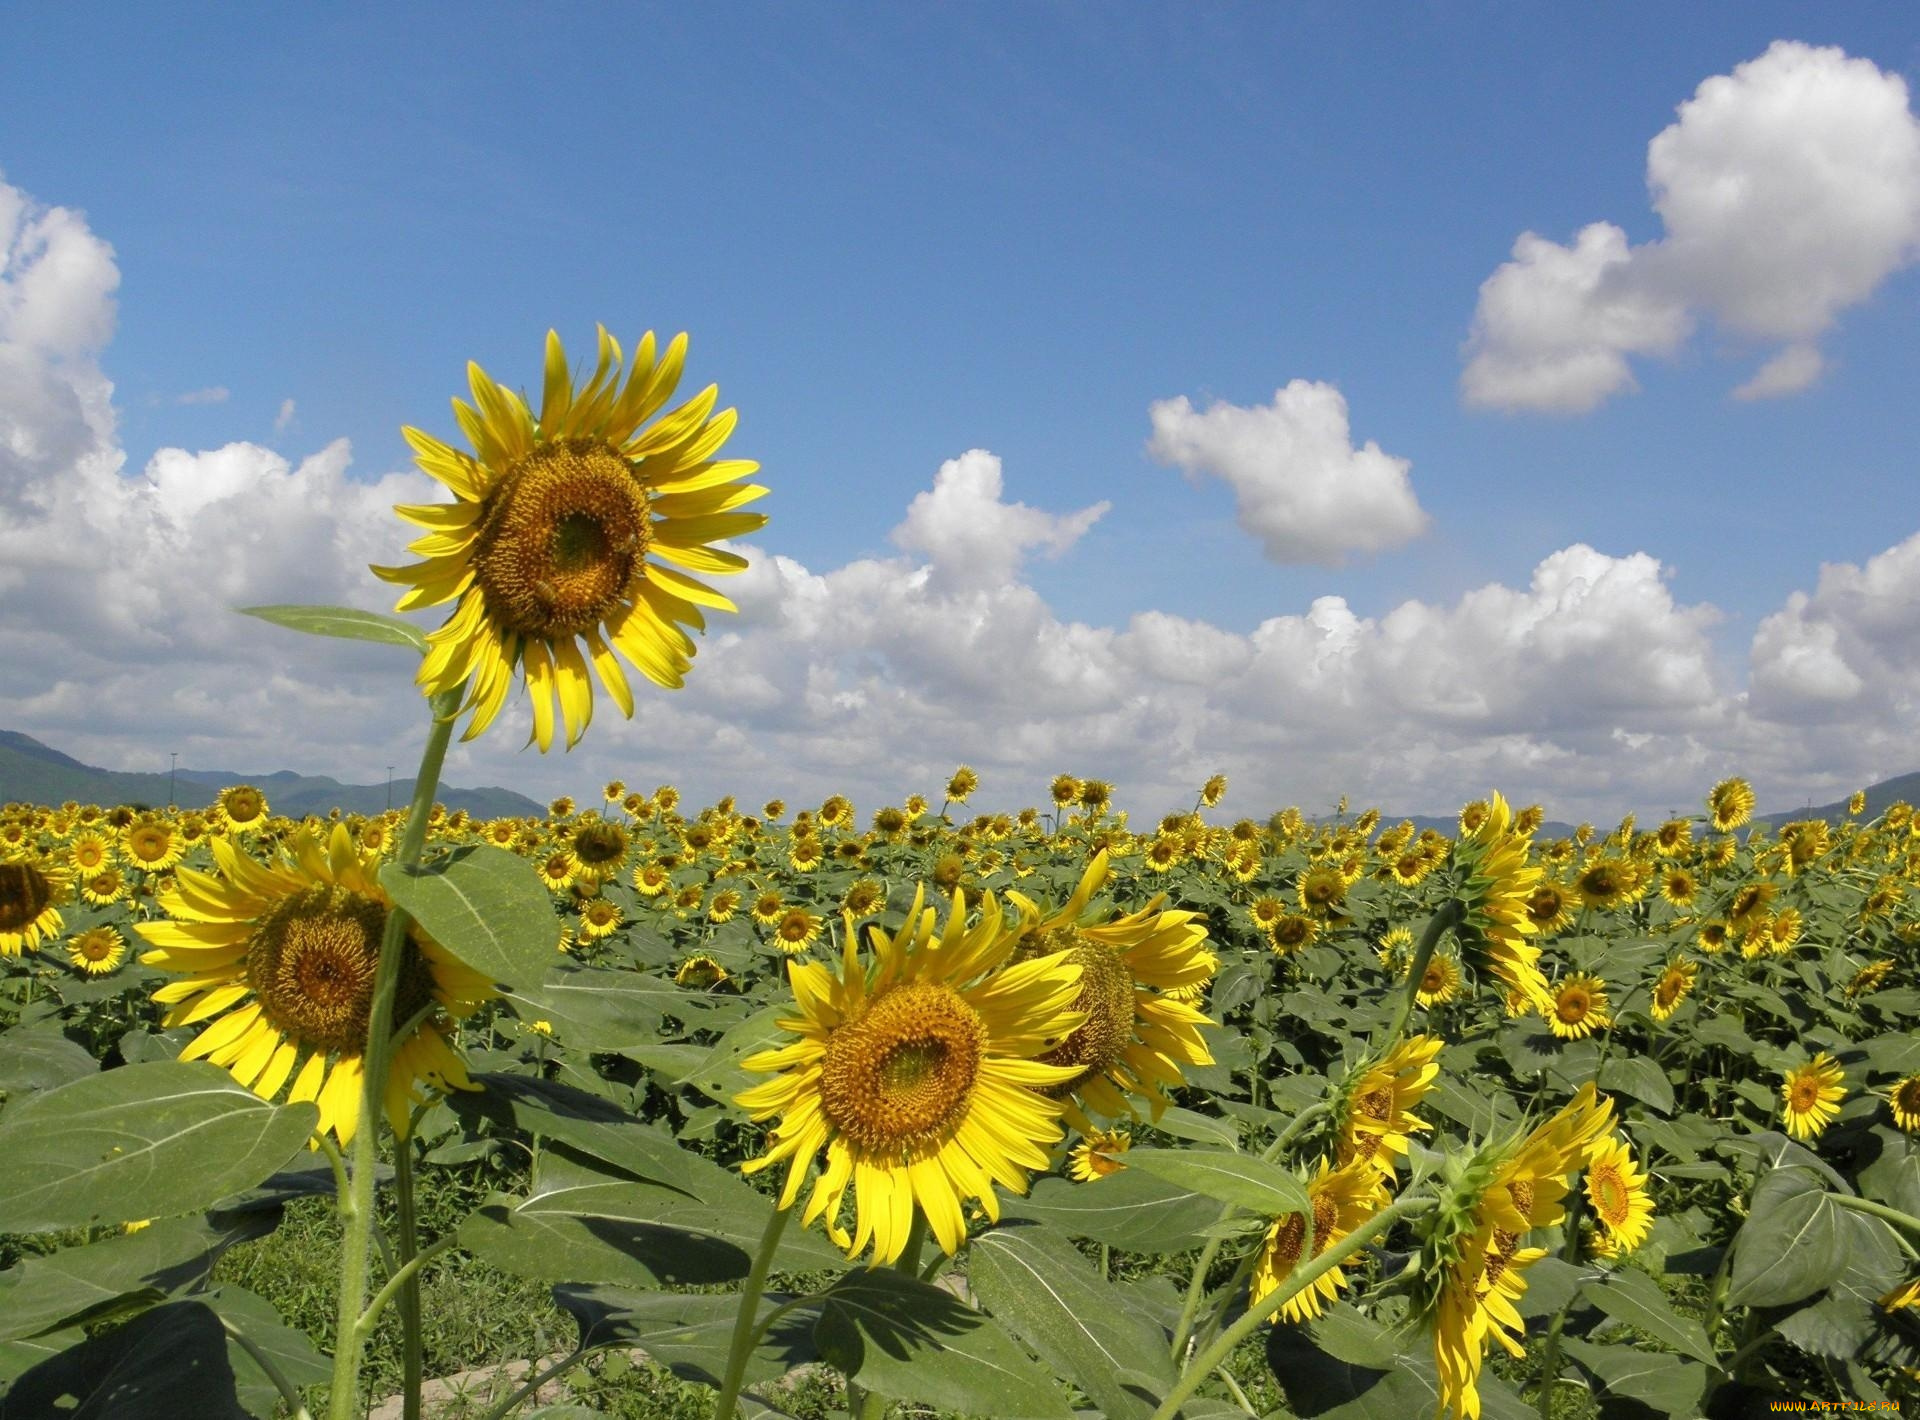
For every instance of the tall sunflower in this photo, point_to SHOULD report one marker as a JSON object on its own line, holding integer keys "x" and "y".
{"x": 1497, "y": 888}
{"x": 281, "y": 958}
{"x": 574, "y": 526}
{"x": 917, "y": 1076}
{"x": 1375, "y": 1113}
{"x": 1136, "y": 1034}
{"x": 1342, "y": 1200}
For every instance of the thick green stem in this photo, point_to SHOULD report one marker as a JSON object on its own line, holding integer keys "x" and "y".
{"x": 743, "y": 1322}
{"x": 1450, "y": 915}
{"x": 1269, "y": 1306}
{"x": 408, "y": 1276}
{"x": 357, "y": 1209}
{"x": 397, "y": 1283}
{"x": 1885, "y": 1214}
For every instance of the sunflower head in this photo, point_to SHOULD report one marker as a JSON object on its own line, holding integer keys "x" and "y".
{"x": 30, "y": 898}
{"x": 1810, "y": 1095}
{"x": 572, "y": 534}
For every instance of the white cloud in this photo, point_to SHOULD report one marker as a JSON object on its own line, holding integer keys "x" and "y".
{"x": 1788, "y": 190}
{"x": 285, "y": 417}
{"x": 970, "y": 537}
{"x": 1592, "y": 688}
{"x": 1299, "y": 484}
{"x": 212, "y": 394}
{"x": 1789, "y": 372}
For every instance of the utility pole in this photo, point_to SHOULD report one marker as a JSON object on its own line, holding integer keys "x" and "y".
{"x": 173, "y": 763}
{"x": 389, "y": 788}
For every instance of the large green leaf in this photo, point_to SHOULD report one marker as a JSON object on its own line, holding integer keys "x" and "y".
{"x": 1347, "y": 1366}
{"x": 350, "y": 622}
{"x": 1040, "y": 1288}
{"x": 41, "y": 1058}
{"x": 1135, "y": 1212}
{"x": 912, "y": 1342}
{"x": 1635, "y": 1077}
{"x": 592, "y": 1008}
{"x": 581, "y": 1226}
{"x": 1840, "y": 1323}
{"x": 246, "y": 1315}
{"x": 126, "y": 1272}
{"x": 1669, "y": 1384}
{"x": 1246, "y": 1182}
{"x": 1791, "y": 1244}
{"x": 486, "y": 906}
{"x": 1633, "y": 1297}
{"x": 690, "y": 1333}
{"x": 169, "y": 1363}
{"x": 143, "y": 1141}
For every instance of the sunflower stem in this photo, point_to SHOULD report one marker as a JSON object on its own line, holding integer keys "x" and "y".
{"x": 1269, "y": 1306}
{"x": 1894, "y": 1216}
{"x": 743, "y": 1322}
{"x": 408, "y": 1276}
{"x": 357, "y": 1209}
{"x": 1450, "y": 915}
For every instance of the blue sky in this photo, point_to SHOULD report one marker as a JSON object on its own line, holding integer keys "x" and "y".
{"x": 899, "y": 233}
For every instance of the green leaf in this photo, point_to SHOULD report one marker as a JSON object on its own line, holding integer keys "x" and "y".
{"x": 1197, "y": 1128}
{"x": 41, "y": 1058}
{"x": 1790, "y": 1245}
{"x": 1348, "y": 1367}
{"x": 912, "y": 1342}
{"x": 1638, "y": 1078}
{"x": 169, "y": 1363}
{"x": 581, "y": 1226}
{"x": 127, "y": 1272}
{"x": 1260, "y": 1187}
{"x": 486, "y": 906}
{"x": 1841, "y": 1323}
{"x": 350, "y": 622}
{"x": 1661, "y": 1382}
{"x": 143, "y": 1141}
{"x": 1632, "y": 1297}
{"x": 592, "y": 1008}
{"x": 690, "y": 1333}
{"x": 255, "y": 1318}
{"x": 1041, "y": 1289}
{"x": 1135, "y": 1212}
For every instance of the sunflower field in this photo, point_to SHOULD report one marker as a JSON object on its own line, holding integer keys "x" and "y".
{"x": 771, "y": 1110}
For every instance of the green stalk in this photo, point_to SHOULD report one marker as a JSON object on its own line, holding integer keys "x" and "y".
{"x": 743, "y": 1327}
{"x": 356, "y": 1209}
{"x": 1269, "y": 1306}
{"x": 1885, "y": 1214}
{"x": 1445, "y": 920}
{"x": 408, "y": 1276}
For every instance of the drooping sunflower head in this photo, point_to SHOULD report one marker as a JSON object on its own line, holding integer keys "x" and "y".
{"x": 1497, "y": 886}
{"x": 30, "y": 898}
{"x": 700, "y": 973}
{"x": 916, "y": 1074}
{"x": 1904, "y": 1100}
{"x": 1374, "y": 1112}
{"x": 1810, "y": 1095}
{"x": 1137, "y": 1033}
{"x": 572, "y": 528}
{"x": 1342, "y": 1200}
{"x": 281, "y": 960}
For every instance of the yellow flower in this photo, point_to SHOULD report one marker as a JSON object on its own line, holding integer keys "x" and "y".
{"x": 700, "y": 973}
{"x": 1579, "y": 1008}
{"x": 1136, "y": 1034}
{"x": 916, "y": 1076}
{"x": 30, "y": 895}
{"x": 1672, "y": 987}
{"x": 796, "y": 930}
{"x": 1440, "y": 983}
{"x": 1213, "y": 791}
{"x": 281, "y": 960}
{"x": 1498, "y": 885}
{"x": 97, "y": 951}
{"x": 1811, "y": 1094}
{"x": 1376, "y": 1116}
{"x": 599, "y": 918}
{"x": 244, "y": 806}
{"x": 574, "y": 525}
{"x": 1098, "y": 1154}
{"x": 1617, "y": 1189}
{"x": 151, "y": 844}
{"x": 961, "y": 786}
{"x": 1342, "y": 1200}
{"x": 1904, "y": 1101}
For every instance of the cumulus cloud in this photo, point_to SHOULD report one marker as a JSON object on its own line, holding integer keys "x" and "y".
{"x": 1788, "y": 191}
{"x": 1592, "y": 688}
{"x": 1299, "y": 485}
{"x": 970, "y": 537}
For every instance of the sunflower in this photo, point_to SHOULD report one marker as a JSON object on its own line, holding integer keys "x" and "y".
{"x": 723, "y": 905}
{"x": 652, "y": 879}
{"x": 864, "y": 898}
{"x": 1322, "y": 890}
{"x": 1136, "y": 1036}
{"x": 97, "y": 951}
{"x": 1749, "y": 907}
{"x": 281, "y": 960}
{"x": 557, "y": 870}
{"x": 1904, "y": 1100}
{"x": 1098, "y": 1154}
{"x": 1440, "y": 983}
{"x": 961, "y": 786}
{"x": 569, "y": 526}
{"x": 151, "y": 844}
{"x": 1375, "y": 1113}
{"x": 1672, "y": 986}
{"x": 1578, "y": 1008}
{"x": 90, "y": 853}
{"x": 30, "y": 897}
{"x": 1712, "y": 936}
{"x": 796, "y": 930}
{"x": 1607, "y": 883}
{"x": 1292, "y": 933}
{"x": 917, "y": 1076}
{"x": 600, "y": 848}
{"x": 1342, "y": 1200}
{"x": 1679, "y": 887}
{"x": 599, "y": 918}
{"x": 244, "y": 806}
{"x": 1095, "y": 795}
{"x": 1498, "y": 885}
{"x": 805, "y": 855}
{"x": 1266, "y": 912}
{"x": 1550, "y": 908}
{"x": 1730, "y": 804}
{"x": 1810, "y": 1095}
{"x": 1396, "y": 950}
{"x": 1784, "y": 929}
{"x": 1213, "y": 791}
{"x": 1163, "y": 854}
{"x": 700, "y": 973}
{"x": 103, "y": 889}
{"x": 1617, "y": 1189}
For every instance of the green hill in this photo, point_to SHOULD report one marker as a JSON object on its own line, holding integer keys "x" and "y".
{"x": 35, "y": 773}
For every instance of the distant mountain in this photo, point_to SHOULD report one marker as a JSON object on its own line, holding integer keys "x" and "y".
{"x": 34, "y": 773}
{"x": 1904, "y": 788}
